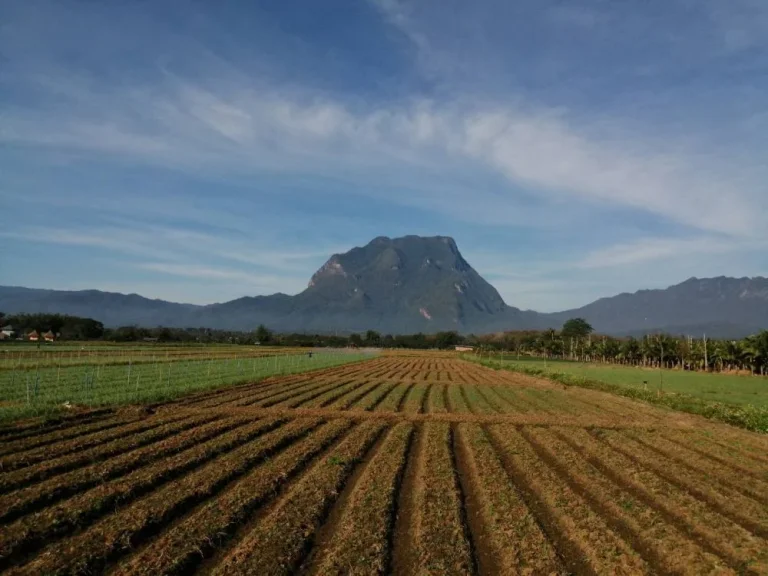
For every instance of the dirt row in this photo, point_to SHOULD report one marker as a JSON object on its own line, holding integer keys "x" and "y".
{"x": 338, "y": 497}
{"x": 346, "y": 472}
{"x": 471, "y": 389}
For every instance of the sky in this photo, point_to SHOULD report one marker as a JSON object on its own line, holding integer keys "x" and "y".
{"x": 201, "y": 151}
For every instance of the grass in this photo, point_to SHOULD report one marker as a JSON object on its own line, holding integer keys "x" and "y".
{"x": 25, "y": 355}
{"x": 31, "y": 391}
{"x": 738, "y": 400}
{"x": 732, "y": 389}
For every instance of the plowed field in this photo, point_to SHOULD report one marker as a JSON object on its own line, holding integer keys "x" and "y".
{"x": 402, "y": 464}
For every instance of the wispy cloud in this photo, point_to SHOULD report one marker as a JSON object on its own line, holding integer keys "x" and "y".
{"x": 543, "y": 150}
{"x": 246, "y": 281}
{"x": 660, "y": 249}
{"x": 176, "y": 244}
{"x": 626, "y": 141}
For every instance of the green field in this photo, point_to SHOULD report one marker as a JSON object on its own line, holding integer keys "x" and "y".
{"x": 726, "y": 388}
{"x": 32, "y": 387}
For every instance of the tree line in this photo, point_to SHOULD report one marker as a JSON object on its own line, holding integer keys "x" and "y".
{"x": 76, "y": 328}
{"x": 264, "y": 336}
{"x": 575, "y": 341}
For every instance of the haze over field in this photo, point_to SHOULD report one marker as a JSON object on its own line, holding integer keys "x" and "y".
{"x": 198, "y": 153}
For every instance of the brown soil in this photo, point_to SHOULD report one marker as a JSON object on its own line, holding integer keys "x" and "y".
{"x": 404, "y": 555}
{"x": 450, "y": 467}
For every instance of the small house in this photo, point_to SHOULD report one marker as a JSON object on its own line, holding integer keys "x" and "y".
{"x": 460, "y": 348}
{"x": 33, "y": 336}
{"x": 49, "y": 336}
{"x": 7, "y": 331}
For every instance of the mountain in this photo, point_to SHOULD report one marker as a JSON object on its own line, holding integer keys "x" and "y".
{"x": 400, "y": 285}
{"x": 415, "y": 284}
{"x": 408, "y": 284}
{"x": 111, "y": 308}
{"x": 721, "y": 307}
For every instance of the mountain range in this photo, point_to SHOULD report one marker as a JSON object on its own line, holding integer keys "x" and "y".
{"x": 417, "y": 284}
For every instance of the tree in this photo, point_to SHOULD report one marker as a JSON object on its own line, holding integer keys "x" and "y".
{"x": 447, "y": 339}
{"x": 576, "y": 328}
{"x": 355, "y": 340}
{"x": 263, "y": 335}
{"x": 372, "y": 338}
{"x": 164, "y": 335}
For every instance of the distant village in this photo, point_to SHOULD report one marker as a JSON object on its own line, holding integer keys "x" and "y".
{"x": 8, "y": 333}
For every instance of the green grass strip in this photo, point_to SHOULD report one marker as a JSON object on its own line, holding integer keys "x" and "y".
{"x": 745, "y": 416}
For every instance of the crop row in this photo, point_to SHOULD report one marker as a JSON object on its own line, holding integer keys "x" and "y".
{"x": 276, "y": 496}
{"x": 45, "y": 389}
{"x": 357, "y": 391}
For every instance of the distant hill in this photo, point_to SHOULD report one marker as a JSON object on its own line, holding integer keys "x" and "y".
{"x": 721, "y": 307}
{"x": 416, "y": 284}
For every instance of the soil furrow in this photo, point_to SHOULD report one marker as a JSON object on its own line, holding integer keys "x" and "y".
{"x": 279, "y": 543}
{"x": 472, "y": 408}
{"x": 473, "y": 533}
{"x": 441, "y": 539}
{"x": 492, "y": 403}
{"x": 347, "y": 400}
{"x": 113, "y": 537}
{"x": 339, "y": 394}
{"x": 206, "y": 531}
{"x": 31, "y": 532}
{"x": 360, "y": 539}
{"x": 414, "y": 399}
{"x": 712, "y": 531}
{"x": 160, "y": 429}
{"x": 407, "y": 520}
{"x": 293, "y": 399}
{"x": 250, "y": 398}
{"x": 508, "y": 539}
{"x": 726, "y": 470}
{"x": 742, "y": 510}
{"x": 370, "y": 401}
{"x": 395, "y": 400}
{"x": 584, "y": 543}
{"x": 58, "y": 425}
{"x": 659, "y": 542}
{"x": 32, "y": 498}
{"x": 748, "y": 486}
{"x": 432, "y": 401}
{"x": 35, "y": 444}
{"x": 740, "y": 453}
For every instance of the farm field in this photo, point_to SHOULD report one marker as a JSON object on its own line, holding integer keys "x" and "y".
{"x": 63, "y": 354}
{"x": 400, "y": 464}
{"x": 727, "y": 388}
{"x": 38, "y": 382}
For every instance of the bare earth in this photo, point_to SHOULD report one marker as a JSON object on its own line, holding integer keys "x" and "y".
{"x": 410, "y": 464}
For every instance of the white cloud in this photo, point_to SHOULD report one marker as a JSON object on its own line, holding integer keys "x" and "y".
{"x": 661, "y": 249}
{"x": 245, "y": 280}
{"x": 543, "y": 151}
{"x": 179, "y": 244}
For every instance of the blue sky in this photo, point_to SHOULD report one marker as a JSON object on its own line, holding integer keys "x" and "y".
{"x": 200, "y": 151}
